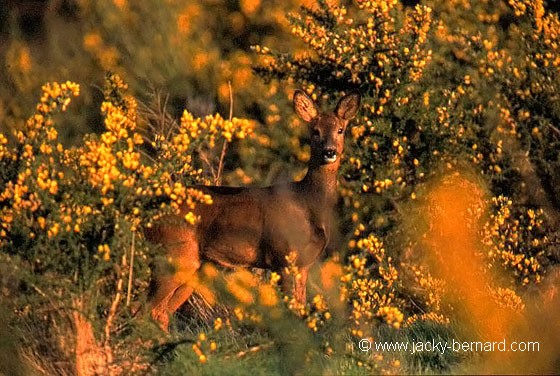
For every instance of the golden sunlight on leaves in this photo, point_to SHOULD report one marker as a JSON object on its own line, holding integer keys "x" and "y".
{"x": 331, "y": 272}
{"x": 268, "y": 296}
{"x": 106, "y": 55}
{"x": 241, "y": 284}
{"x": 249, "y": 6}
{"x": 455, "y": 208}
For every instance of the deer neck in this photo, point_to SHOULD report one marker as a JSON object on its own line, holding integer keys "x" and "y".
{"x": 321, "y": 181}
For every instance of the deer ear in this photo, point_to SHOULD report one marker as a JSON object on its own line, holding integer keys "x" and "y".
{"x": 348, "y": 106}
{"x": 304, "y": 106}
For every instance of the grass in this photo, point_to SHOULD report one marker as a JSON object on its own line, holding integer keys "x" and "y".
{"x": 255, "y": 351}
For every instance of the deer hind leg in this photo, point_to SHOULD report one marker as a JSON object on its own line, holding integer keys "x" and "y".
{"x": 300, "y": 285}
{"x": 172, "y": 289}
{"x": 169, "y": 297}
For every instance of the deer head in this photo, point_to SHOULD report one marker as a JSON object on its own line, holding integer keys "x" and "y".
{"x": 327, "y": 129}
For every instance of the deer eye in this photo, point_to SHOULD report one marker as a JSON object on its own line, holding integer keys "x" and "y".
{"x": 315, "y": 133}
{"x": 340, "y": 130}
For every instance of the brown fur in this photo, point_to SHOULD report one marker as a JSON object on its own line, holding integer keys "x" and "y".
{"x": 259, "y": 227}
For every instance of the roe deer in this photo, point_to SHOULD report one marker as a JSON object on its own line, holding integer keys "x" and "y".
{"x": 259, "y": 227}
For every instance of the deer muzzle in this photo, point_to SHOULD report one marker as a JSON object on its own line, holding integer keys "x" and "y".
{"x": 329, "y": 156}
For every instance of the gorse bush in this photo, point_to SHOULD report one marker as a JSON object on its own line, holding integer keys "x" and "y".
{"x": 410, "y": 125}
{"x": 71, "y": 217}
{"x": 505, "y": 70}
{"x": 190, "y": 50}
{"x": 381, "y": 50}
{"x": 438, "y": 98}
{"x": 448, "y": 189}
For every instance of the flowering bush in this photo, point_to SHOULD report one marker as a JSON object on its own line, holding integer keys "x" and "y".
{"x": 439, "y": 97}
{"x": 448, "y": 187}
{"x": 72, "y": 218}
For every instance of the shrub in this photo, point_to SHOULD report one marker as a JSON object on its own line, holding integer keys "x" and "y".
{"x": 72, "y": 219}
{"x": 448, "y": 188}
{"x": 444, "y": 94}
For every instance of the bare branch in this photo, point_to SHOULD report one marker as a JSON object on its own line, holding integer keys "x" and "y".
{"x": 130, "y": 271}
{"x": 218, "y": 180}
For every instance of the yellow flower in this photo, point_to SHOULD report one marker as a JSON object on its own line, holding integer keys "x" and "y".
{"x": 267, "y": 296}
{"x": 218, "y": 324}
{"x": 190, "y": 218}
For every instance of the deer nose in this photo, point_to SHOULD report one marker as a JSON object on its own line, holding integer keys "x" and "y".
{"x": 329, "y": 155}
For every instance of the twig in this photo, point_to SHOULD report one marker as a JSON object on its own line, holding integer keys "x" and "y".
{"x": 254, "y": 349}
{"x": 130, "y": 270}
{"x": 251, "y": 350}
{"x": 37, "y": 289}
{"x": 218, "y": 180}
{"x": 204, "y": 158}
{"x": 554, "y": 129}
{"x": 230, "y": 101}
{"x": 114, "y": 305}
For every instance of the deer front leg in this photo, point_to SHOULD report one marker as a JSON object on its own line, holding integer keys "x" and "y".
{"x": 300, "y": 292}
{"x": 295, "y": 285}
